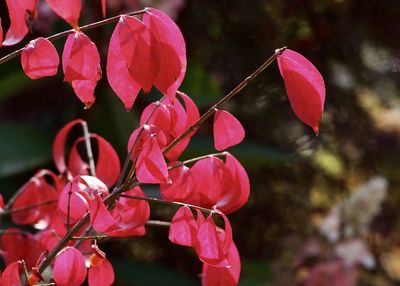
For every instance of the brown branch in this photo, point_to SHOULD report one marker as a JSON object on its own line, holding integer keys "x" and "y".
{"x": 227, "y": 97}
{"x": 67, "y": 32}
{"x": 194, "y": 160}
{"x": 28, "y": 207}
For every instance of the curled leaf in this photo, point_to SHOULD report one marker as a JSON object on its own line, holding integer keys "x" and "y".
{"x": 39, "y": 59}
{"x": 305, "y": 87}
{"x": 102, "y": 275}
{"x": 183, "y": 229}
{"x": 69, "y": 267}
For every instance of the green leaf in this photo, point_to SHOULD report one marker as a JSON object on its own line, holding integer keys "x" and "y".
{"x": 22, "y": 148}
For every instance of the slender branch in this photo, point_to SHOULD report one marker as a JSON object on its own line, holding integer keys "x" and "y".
{"x": 194, "y": 160}
{"x": 89, "y": 237}
{"x": 158, "y": 223}
{"x": 67, "y": 32}
{"x": 227, "y": 97}
{"x": 28, "y": 207}
{"x": 171, "y": 203}
{"x": 88, "y": 146}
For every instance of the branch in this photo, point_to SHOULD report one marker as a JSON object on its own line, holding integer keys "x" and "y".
{"x": 67, "y": 32}
{"x": 227, "y": 97}
{"x": 88, "y": 146}
{"x": 28, "y": 207}
{"x": 194, "y": 160}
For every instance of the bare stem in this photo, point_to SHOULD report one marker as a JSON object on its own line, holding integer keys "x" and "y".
{"x": 28, "y": 207}
{"x": 63, "y": 34}
{"x": 88, "y": 146}
{"x": 171, "y": 203}
{"x": 227, "y": 97}
{"x": 194, "y": 160}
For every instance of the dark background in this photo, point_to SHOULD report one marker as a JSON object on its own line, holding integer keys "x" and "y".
{"x": 296, "y": 177}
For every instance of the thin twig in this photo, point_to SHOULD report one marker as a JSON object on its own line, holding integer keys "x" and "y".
{"x": 194, "y": 160}
{"x": 158, "y": 223}
{"x": 227, "y": 97}
{"x": 171, "y": 203}
{"x": 28, "y": 207}
{"x": 88, "y": 146}
{"x": 67, "y": 32}
{"x": 89, "y": 237}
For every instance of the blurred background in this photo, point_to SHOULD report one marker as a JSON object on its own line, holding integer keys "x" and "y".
{"x": 323, "y": 210}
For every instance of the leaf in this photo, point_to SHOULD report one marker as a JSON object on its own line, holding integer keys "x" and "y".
{"x": 172, "y": 51}
{"x": 103, "y": 8}
{"x": 69, "y": 10}
{"x": 227, "y": 130}
{"x": 150, "y": 166}
{"x": 182, "y": 185}
{"x": 59, "y": 145}
{"x": 305, "y": 87}
{"x": 102, "y": 275}
{"x": 17, "y": 10}
{"x": 10, "y": 276}
{"x": 100, "y": 218}
{"x": 183, "y": 229}
{"x": 23, "y": 149}
{"x": 69, "y": 267}
{"x": 39, "y": 59}
{"x": 81, "y": 66}
{"x": 140, "y": 51}
{"x": 1, "y": 34}
{"x": 118, "y": 74}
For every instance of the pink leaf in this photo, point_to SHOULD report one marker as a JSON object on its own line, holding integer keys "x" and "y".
{"x": 69, "y": 10}
{"x": 227, "y": 276}
{"x": 235, "y": 186}
{"x": 227, "y": 130}
{"x": 150, "y": 166}
{"x": 183, "y": 229}
{"x": 209, "y": 248}
{"x": 103, "y": 8}
{"x": 39, "y": 59}
{"x": 181, "y": 187}
{"x": 1, "y": 34}
{"x": 118, "y": 75}
{"x": 172, "y": 51}
{"x": 59, "y": 145}
{"x": 305, "y": 87}
{"x": 69, "y": 267}
{"x": 140, "y": 51}
{"x": 10, "y": 276}
{"x": 100, "y": 217}
{"x": 18, "y": 27}
{"x": 102, "y": 275}
{"x": 81, "y": 66}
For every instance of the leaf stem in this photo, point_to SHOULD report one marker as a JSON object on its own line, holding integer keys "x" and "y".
{"x": 194, "y": 160}
{"x": 86, "y": 136}
{"x": 63, "y": 34}
{"x": 227, "y": 97}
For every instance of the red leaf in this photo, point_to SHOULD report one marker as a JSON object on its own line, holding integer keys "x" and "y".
{"x": 18, "y": 27}
{"x": 39, "y": 59}
{"x": 118, "y": 75}
{"x": 227, "y": 276}
{"x": 227, "y": 130}
{"x": 181, "y": 187}
{"x": 102, "y": 275}
{"x": 209, "y": 248}
{"x": 100, "y": 217}
{"x": 59, "y": 145}
{"x": 172, "y": 51}
{"x": 183, "y": 229}
{"x": 69, "y": 267}
{"x": 150, "y": 166}
{"x": 1, "y": 34}
{"x": 107, "y": 163}
{"x": 81, "y": 66}
{"x": 10, "y": 276}
{"x": 1, "y": 202}
{"x": 140, "y": 50}
{"x": 305, "y": 87}
{"x": 69, "y": 10}
{"x": 235, "y": 186}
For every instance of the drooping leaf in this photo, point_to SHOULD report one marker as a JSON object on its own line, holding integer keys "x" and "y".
{"x": 18, "y": 11}
{"x": 69, "y": 267}
{"x": 102, "y": 275}
{"x": 209, "y": 248}
{"x": 59, "y": 145}
{"x": 183, "y": 229}
{"x": 305, "y": 87}
{"x": 81, "y": 66}
{"x": 100, "y": 217}
{"x": 118, "y": 74}
{"x": 1, "y": 34}
{"x": 69, "y": 10}
{"x": 151, "y": 166}
{"x": 227, "y": 130}
{"x": 172, "y": 51}
{"x": 39, "y": 59}
{"x": 181, "y": 187}
{"x": 140, "y": 51}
